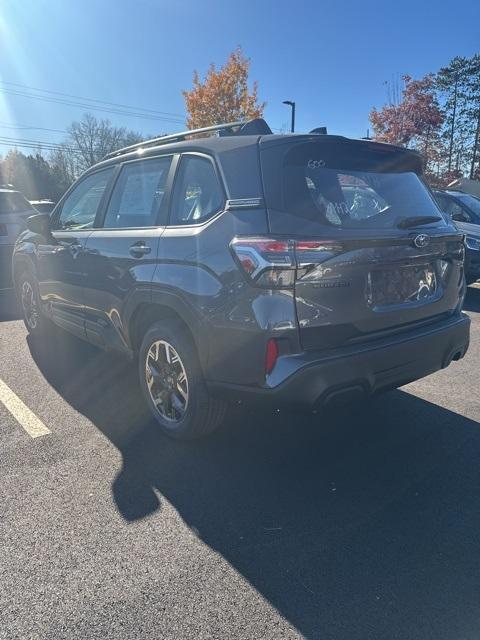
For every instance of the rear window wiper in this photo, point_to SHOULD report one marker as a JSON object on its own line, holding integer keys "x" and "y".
{"x": 416, "y": 221}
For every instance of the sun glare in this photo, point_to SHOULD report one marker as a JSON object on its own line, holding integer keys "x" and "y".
{"x": 20, "y": 22}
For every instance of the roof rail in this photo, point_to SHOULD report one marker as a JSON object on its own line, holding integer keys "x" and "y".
{"x": 174, "y": 137}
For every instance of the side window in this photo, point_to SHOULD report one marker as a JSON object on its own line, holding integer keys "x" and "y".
{"x": 197, "y": 194}
{"x": 138, "y": 195}
{"x": 81, "y": 206}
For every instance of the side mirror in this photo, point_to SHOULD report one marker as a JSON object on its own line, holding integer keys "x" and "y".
{"x": 39, "y": 223}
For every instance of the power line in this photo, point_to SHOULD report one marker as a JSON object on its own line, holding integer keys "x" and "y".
{"x": 113, "y": 104}
{"x": 90, "y": 107}
{"x": 33, "y": 140}
{"x": 42, "y": 150}
{"x": 34, "y": 144}
{"x": 24, "y": 127}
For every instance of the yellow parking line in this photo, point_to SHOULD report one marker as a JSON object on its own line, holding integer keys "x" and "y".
{"x": 19, "y": 410}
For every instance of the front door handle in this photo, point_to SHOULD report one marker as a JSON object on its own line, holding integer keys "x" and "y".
{"x": 139, "y": 249}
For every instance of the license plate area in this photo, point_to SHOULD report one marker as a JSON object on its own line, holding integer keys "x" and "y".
{"x": 402, "y": 285}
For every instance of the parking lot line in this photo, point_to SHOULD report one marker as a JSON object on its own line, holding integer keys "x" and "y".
{"x": 22, "y": 414}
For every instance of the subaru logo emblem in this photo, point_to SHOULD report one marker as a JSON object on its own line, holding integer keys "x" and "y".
{"x": 421, "y": 240}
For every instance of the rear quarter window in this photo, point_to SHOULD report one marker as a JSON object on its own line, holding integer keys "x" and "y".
{"x": 197, "y": 192}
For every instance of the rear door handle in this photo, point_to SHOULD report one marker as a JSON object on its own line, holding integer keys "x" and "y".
{"x": 139, "y": 249}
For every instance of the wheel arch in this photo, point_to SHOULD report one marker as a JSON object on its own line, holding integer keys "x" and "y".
{"x": 164, "y": 305}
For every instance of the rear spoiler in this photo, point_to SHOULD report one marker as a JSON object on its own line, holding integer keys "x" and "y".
{"x": 392, "y": 157}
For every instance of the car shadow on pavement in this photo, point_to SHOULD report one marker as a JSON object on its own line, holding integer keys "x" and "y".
{"x": 360, "y": 523}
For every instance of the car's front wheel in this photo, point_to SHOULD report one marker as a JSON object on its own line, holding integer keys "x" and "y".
{"x": 29, "y": 299}
{"x": 173, "y": 385}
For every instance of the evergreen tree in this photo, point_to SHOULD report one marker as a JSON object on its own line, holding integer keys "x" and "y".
{"x": 452, "y": 85}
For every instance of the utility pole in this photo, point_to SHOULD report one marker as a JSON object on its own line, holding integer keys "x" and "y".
{"x": 291, "y": 104}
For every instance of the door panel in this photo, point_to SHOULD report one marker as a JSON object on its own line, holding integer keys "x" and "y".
{"x": 121, "y": 261}
{"x": 61, "y": 259}
{"x": 61, "y": 276}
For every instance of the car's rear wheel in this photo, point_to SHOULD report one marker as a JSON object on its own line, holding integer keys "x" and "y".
{"x": 29, "y": 299}
{"x": 173, "y": 384}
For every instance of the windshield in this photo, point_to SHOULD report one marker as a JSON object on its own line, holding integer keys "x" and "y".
{"x": 472, "y": 203}
{"x": 353, "y": 198}
{"x": 13, "y": 202}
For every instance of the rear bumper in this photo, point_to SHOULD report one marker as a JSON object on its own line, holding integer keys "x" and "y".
{"x": 361, "y": 371}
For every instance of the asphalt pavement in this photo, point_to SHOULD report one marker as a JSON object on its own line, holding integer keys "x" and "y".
{"x": 360, "y": 524}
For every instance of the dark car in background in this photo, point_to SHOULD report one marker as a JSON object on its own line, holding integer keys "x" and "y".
{"x": 14, "y": 210}
{"x": 296, "y": 269}
{"x": 464, "y": 210}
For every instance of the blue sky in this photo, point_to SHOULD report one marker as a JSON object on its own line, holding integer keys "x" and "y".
{"x": 331, "y": 57}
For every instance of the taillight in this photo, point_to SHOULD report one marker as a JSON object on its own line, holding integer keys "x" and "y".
{"x": 271, "y": 355}
{"x": 318, "y": 246}
{"x": 272, "y": 263}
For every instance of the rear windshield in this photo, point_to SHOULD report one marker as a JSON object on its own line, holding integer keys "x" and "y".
{"x": 13, "y": 202}
{"x": 351, "y": 190}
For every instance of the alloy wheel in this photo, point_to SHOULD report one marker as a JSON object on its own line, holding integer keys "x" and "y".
{"x": 29, "y": 305}
{"x": 167, "y": 381}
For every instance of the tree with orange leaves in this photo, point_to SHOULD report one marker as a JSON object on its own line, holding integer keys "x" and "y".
{"x": 223, "y": 96}
{"x": 413, "y": 117}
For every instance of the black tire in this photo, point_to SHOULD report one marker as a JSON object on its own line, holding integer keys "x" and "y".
{"x": 26, "y": 287}
{"x": 202, "y": 413}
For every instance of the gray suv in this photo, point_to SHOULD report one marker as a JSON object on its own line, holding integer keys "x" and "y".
{"x": 298, "y": 269}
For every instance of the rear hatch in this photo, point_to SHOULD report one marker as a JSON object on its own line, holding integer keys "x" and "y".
{"x": 374, "y": 255}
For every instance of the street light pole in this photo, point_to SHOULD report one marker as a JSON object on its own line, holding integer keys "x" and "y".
{"x": 291, "y": 104}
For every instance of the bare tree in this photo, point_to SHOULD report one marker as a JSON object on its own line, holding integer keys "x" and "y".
{"x": 90, "y": 139}
{"x": 63, "y": 165}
